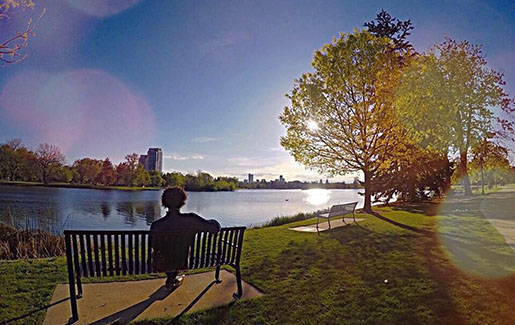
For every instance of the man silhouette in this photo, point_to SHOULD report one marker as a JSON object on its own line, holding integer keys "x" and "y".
{"x": 173, "y": 234}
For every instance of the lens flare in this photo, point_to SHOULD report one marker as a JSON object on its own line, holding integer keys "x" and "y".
{"x": 81, "y": 111}
{"x": 477, "y": 233}
{"x": 102, "y": 8}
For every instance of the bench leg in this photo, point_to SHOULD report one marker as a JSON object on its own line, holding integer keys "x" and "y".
{"x": 71, "y": 279}
{"x": 238, "y": 294}
{"x": 217, "y": 275}
{"x": 79, "y": 286}
{"x": 353, "y": 216}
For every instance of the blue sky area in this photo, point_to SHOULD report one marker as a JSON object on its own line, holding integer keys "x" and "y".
{"x": 203, "y": 80}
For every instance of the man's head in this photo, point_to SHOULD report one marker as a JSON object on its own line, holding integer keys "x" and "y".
{"x": 173, "y": 197}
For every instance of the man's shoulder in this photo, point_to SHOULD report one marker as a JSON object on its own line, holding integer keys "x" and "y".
{"x": 159, "y": 223}
{"x": 191, "y": 215}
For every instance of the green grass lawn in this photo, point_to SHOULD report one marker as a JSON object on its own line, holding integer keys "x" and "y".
{"x": 338, "y": 277}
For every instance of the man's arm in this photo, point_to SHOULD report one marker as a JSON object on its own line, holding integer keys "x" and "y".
{"x": 202, "y": 224}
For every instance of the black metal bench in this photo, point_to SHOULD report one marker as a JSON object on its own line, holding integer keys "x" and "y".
{"x": 339, "y": 210}
{"x": 92, "y": 253}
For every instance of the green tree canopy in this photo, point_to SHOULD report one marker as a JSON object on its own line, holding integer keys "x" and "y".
{"x": 445, "y": 100}
{"x": 341, "y": 119}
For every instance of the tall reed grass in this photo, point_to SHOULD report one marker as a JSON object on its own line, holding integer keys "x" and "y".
{"x": 28, "y": 243}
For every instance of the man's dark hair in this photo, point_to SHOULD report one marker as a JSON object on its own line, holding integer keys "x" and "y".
{"x": 173, "y": 197}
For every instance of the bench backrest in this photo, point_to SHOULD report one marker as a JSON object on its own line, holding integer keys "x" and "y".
{"x": 341, "y": 209}
{"x": 98, "y": 253}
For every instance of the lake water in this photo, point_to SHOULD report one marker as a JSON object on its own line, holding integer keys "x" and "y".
{"x": 56, "y": 209}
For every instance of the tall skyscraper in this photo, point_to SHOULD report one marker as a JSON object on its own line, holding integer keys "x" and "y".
{"x": 153, "y": 160}
{"x": 251, "y": 178}
{"x": 143, "y": 161}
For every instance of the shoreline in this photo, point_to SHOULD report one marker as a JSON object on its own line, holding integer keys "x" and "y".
{"x": 81, "y": 186}
{"x": 147, "y": 188}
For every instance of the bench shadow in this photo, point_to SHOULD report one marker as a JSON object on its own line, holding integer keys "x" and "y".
{"x": 130, "y": 313}
{"x": 401, "y": 225}
{"x": 32, "y": 312}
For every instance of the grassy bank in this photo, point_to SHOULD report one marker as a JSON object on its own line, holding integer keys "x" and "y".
{"x": 338, "y": 277}
{"x": 88, "y": 186}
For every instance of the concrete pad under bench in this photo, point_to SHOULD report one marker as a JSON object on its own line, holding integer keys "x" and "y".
{"x": 122, "y": 302}
{"x": 323, "y": 226}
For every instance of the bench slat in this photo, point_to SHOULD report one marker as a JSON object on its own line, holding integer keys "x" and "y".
{"x": 130, "y": 252}
{"x": 136, "y": 253}
{"x": 117, "y": 254}
{"x": 97, "y": 258}
{"x": 212, "y": 256}
{"x": 143, "y": 252}
{"x": 90, "y": 255}
{"x": 103, "y": 253}
{"x": 149, "y": 254}
{"x": 75, "y": 248}
{"x": 83, "y": 255}
{"x": 124, "y": 257}
{"x": 110, "y": 253}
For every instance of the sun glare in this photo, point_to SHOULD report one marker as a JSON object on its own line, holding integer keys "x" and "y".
{"x": 317, "y": 196}
{"x": 312, "y": 125}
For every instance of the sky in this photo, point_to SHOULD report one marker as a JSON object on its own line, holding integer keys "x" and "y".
{"x": 203, "y": 80}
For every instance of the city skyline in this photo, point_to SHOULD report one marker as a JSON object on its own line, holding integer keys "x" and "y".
{"x": 210, "y": 97}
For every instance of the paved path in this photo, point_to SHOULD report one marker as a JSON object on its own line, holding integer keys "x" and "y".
{"x": 499, "y": 209}
{"x": 122, "y": 302}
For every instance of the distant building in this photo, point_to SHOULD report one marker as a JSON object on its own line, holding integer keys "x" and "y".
{"x": 143, "y": 161}
{"x": 251, "y": 178}
{"x": 281, "y": 179}
{"x": 153, "y": 160}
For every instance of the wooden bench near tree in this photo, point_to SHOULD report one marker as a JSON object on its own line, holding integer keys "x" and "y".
{"x": 92, "y": 253}
{"x": 338, "y": 210}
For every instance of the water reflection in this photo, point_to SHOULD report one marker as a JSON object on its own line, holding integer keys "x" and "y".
{"x": 65, "y": 208}
{"x": 106, "y": 211}
{"x": 317, "y": 196}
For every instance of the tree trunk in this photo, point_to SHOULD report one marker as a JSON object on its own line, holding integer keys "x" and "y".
{"x": 464, "y": 174}
{"x": 368, "y": 202}
{"x": 482, "y": 181}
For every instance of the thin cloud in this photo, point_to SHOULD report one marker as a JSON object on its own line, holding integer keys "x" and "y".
{"x": 206, "y": 139}
{"x": 182, "y": 157}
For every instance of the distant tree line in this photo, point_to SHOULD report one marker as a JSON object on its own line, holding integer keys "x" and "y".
{"x": 47, "y": 165}
{"x": 276, "y": 184}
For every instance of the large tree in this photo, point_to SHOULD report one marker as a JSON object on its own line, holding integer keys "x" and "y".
{"x": 49, "y": 159}
{"x": 445, "y": 101}
{"x": 341, "y": 119}
{"x": 132, "y": 162}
